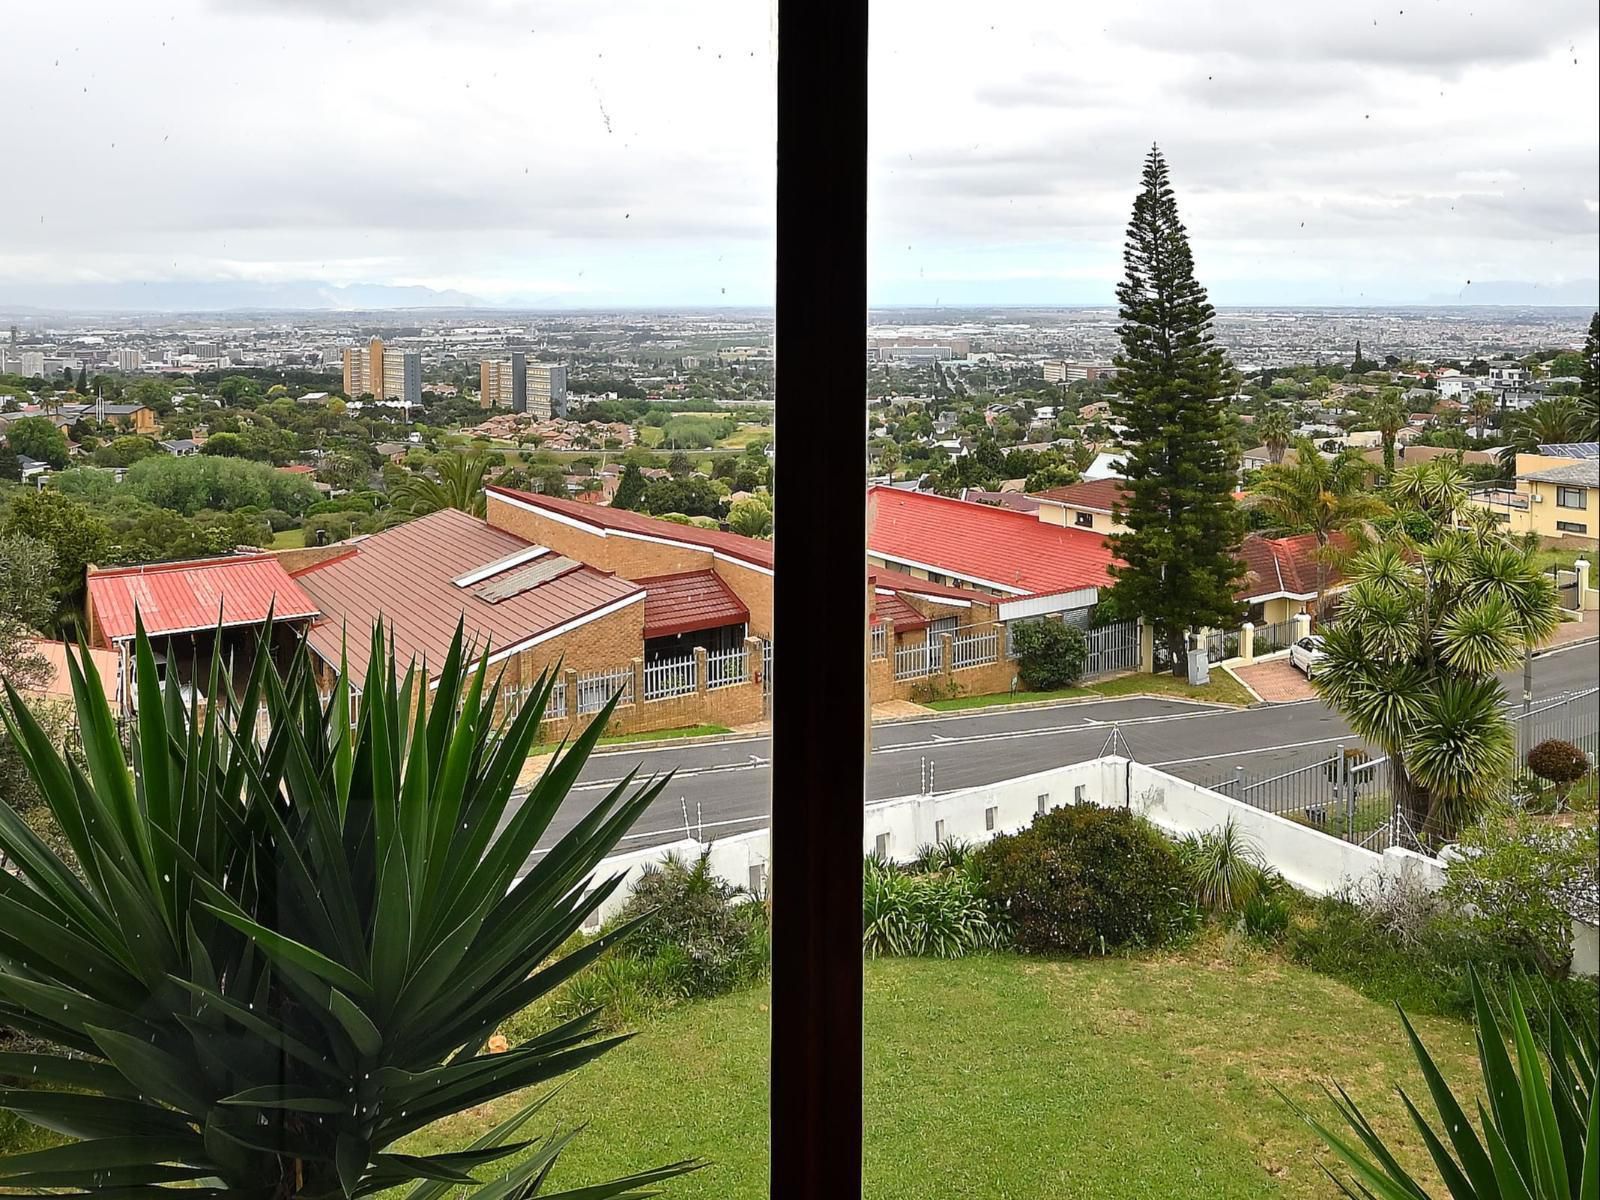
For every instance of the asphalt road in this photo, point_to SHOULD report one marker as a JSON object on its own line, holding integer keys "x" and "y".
{"x": 722, "y": 788}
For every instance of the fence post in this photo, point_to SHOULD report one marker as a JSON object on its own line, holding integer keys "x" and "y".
{"x": 1247, "y": 642}
{"x": 947, "y": 654}
{"x": 752, "y": 659}
{"x": 1302, "y": 625}
{"x": 702, "y": 670}
{"x": 1147, "y": 646}
{"x": 638, "y": 680}
{"x": 1581, "y": 568}
{"x": 1346, "y": 794}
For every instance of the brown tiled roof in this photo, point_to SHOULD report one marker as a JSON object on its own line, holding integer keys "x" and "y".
{"x": 406, "y": 576}
{"x": 898, "y": 613}
{"x": 1285, "y": 566}
{"x": 689, "y": 601}
{"x": 1094, "y": 495}
{"x": 620, "y": 520}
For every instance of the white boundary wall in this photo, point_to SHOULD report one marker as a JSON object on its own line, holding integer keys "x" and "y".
{"x": 1309, "y": 859}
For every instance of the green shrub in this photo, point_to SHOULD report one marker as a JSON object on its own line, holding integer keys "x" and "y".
{"x": 1225, "y": 867}
{"x": 705, "y": 937}
{"x": 948, "y": 854}
{"x": 1084, "y": 880}
{"x": 1050, "y": 654}
{"x": 1518, "y": 882}
{"x": 937, "y": 915}
{"x": 1266, "y": 916}
{"x": 1559, "y": 763}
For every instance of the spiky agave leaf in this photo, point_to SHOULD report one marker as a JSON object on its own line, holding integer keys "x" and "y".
{"x": 281, "y": 957}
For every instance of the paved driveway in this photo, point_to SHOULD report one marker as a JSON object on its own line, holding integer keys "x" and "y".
{"x": 1276, "y": 681}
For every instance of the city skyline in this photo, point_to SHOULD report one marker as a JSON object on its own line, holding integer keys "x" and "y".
{"x": 356, "y": 155}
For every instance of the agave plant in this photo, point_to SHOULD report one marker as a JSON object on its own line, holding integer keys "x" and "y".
{"x": 281, "y": 956}
{"x": 1541, "y": 1130}
{"x": 1225, "y": 866}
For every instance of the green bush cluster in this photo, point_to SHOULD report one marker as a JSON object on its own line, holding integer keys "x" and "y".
{"x": 938, "y": 913}
{"x": 1050, "y": 654}
{"x": 697, "y": 937}
{"x": 1087, "y": 880}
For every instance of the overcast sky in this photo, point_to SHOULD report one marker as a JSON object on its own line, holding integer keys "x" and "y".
{"x": 621, "y": 152}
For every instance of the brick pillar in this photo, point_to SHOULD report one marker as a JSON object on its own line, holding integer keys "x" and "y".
{"x": 702, "y": 670}
{"x": 1147, "y": 646}
{"x": 752, "y": 659}
{"x": 1247, "y": 642}
{"x": 638, "y": 680}
{"x": 569, "y": 680}
{"x": 1302, "y": 625}
{"x": 948, "y": 650}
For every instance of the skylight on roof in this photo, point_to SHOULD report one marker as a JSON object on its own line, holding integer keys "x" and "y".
{"x": 479, "y": 574}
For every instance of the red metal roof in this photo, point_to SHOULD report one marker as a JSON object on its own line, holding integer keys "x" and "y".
{"x": 687, "y": 602}
{"x": 992, "y": 546}
{"x": 406, "y": 575}
{"x": 620, "y": 520}
{"x": 889, "y": 580}
{"x": 180, "y": 597}
{"x": 1092, "y": 495}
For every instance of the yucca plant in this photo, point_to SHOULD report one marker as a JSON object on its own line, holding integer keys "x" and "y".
{"x": 1225, "y": 866}
{"x": 280, "y": 957}
{"x": 1540, "y": 1133}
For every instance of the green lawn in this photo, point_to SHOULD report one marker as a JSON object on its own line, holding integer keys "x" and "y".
{"x": 1223, "y": 688}
{"x": 956, "y": 703}
{"x": 1545, "y": 559}
{"x": 650, "y": 435}
{"x": 1099, "y": 1079}
{"x": 654, "y": 735}
{"x": 289, "y": 539}
{"x": 744, "y": 435}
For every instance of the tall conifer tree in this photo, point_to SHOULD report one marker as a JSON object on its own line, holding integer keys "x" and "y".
{"x": 1178, "y": 564}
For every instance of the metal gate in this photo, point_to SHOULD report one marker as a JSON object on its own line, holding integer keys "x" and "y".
{"x": 1567, "y": 590}
{"x": 1344, "y": 793}
{"x": 766, "y": 679}
{"x": 1111, "y": 648}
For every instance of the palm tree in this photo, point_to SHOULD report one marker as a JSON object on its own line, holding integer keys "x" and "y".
{"x": 1320, "y": 496}
{"x": 1436, "y": 489}
{"x": 1481, "y": 408}
{"x": 456, "y": 482}
{"x": 1387, "y": 413}
{"x": 275, "y": 958}
{"x": 1546, "y": 422}
{"x": 1275, "y": 431}
{"x": 1432, "y": 615}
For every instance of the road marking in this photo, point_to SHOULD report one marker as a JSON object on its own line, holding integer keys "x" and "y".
{"x": 1178, "y": 762}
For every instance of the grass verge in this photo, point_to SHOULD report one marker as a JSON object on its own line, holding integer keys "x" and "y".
{"x": 999, "y": 1076}
{"x": 289, "y": 539}
{"x": 957, "y": 703}
{"x": 654, "y": 735}
{"x": 1223, "y": 688}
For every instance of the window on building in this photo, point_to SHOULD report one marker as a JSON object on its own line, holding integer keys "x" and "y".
{"x": 1084, "y": 520}
{"x": 1572, "y": 497}
{"x": 1572, "y": 527}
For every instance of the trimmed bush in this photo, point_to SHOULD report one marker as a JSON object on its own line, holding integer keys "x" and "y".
{"x": 1050, "y": 654}
{"x": 1559, "y": 763}
{"x": 1086, "y": 880}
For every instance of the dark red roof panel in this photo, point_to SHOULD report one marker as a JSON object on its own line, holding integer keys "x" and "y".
{"x": 900, "y": 614}
{"x": 180, "y": 597}
{"x": 1094, "y": 495}
{"x": 690, "y": 601}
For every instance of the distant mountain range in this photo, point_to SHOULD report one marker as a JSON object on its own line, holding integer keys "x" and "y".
{"x": 1581, "y": 293}
{"x": 224, "y": 296}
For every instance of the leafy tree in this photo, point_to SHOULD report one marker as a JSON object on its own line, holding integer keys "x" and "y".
{"x": 224, "y": 445}
{"x": 83, "y": 381}
{"x": 1481, "y": 408}
{"x": 276, "y": 962}
{"x": 189, "y": 485}
{"x": 123, "y": 451}
{"x": 1387, "y": 413}
{"x": 27, "y": 568}
{"x": 237, "y": 390}
{"x": 456, "y": 481}
{"x": 679, "y": 465}
{"x": 1432, "y": 615}
{"x": 1275, "y": 430}
{"x": 752, "y": 517}
{"x": 630, "y": 488}
{"x": 38, "y": 438}
{"x": 344, "y": 471}
{"x": 1178, "y": 557}
{"x": 1319, "y": 496}
{"x": 691, "y": 497}
{"x": 74, "y": 532}
{"x": 10, "y": 467}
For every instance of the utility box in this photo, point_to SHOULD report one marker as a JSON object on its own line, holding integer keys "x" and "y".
{"x": 1199, "y": 667}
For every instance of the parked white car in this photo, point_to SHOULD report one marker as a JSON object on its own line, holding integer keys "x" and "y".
{"x": 1303, "y": 655}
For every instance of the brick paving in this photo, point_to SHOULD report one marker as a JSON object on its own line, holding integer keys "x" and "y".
{"x": 1576, "y": 631}
{"x": 1276, "y": 681}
